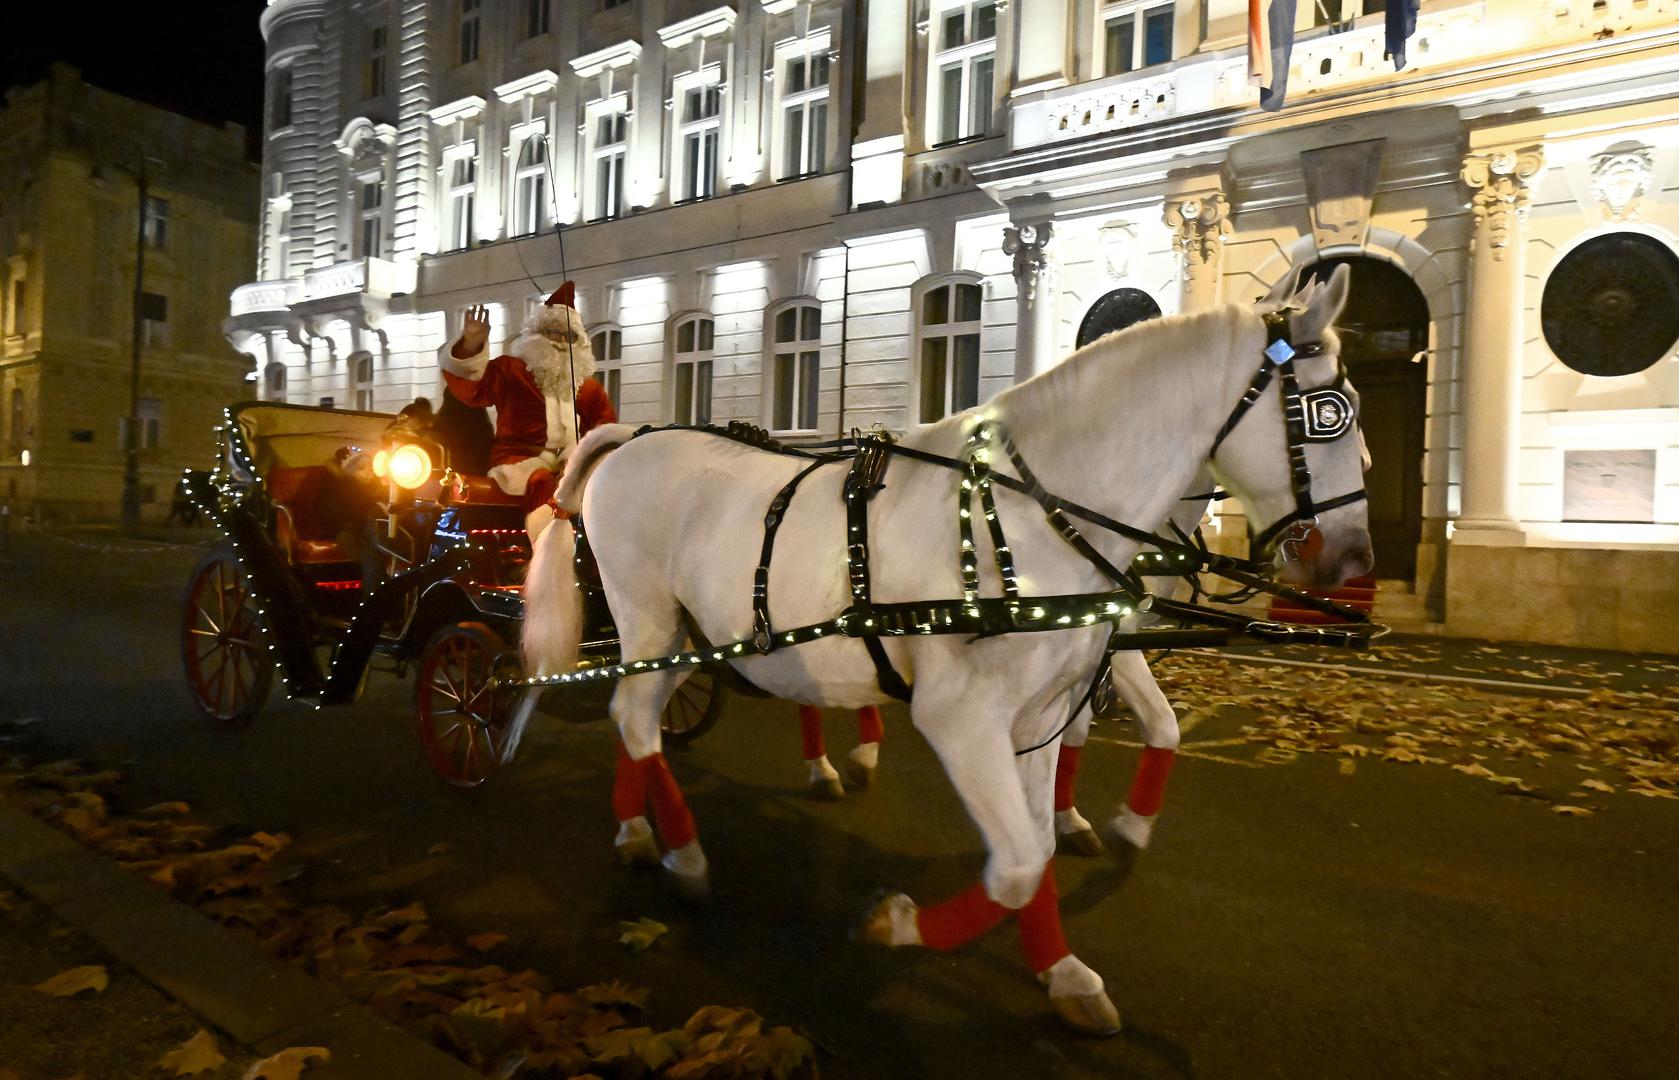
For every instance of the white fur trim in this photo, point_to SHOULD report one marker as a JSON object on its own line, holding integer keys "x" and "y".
{"x": 470, "y": 368}
{"x": 515, "y": 475}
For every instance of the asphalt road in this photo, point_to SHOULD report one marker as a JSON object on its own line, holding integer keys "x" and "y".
{"x": 1292, "y": 919}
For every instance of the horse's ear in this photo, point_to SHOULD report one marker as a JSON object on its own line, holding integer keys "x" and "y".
{"x": 1322, "y": 305}
{"x": 1283, "y": 289}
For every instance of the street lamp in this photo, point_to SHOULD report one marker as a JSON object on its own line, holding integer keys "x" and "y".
{"x": 131, "y": 423}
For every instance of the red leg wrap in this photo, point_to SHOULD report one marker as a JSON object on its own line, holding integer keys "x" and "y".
{"x": 1149, "y": 788}
{"x": 539, "y": 488}
{"x": 1040, "y": 926}
{"x": 869, "y": 727}
{"x": 960, "y": 919}
{"x": 1066, "y": 776}
{"x": 810, "y": 720}
{"x": 629, "y": 789}
{"x": 670, "y": 809}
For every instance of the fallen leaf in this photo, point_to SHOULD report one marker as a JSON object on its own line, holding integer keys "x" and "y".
{"x": 288, "y": 1064}
{"x": 166, "y": 809}
{"x": 486, "y": 941}
{"x": 1571, "y": 811}
{"x": 1348, "y": 766}
{"x": 74, "y": 981}
{"x": 198, "y": 1054}
{"x": 641, "y": 933}
{"x": 442, "y": 848}
{"x": 1598, "y": 785}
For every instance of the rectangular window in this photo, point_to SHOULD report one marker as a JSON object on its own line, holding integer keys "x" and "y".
{"x": 693, "y": 372}
{"x": 699, "y": 133}
{"x": 965, "y": 60}
{"x": 537, "y": 13}
{"x": 326, "y": 402}
{"x": 463, "y": 174}
{"x": 279, "y": 102}
{"x": 797, "y": 368}
{"x": 607, "y": 5}
{"x": 804, "y": 115}
{"x": 471, "y": 25}
{"x": 154, "y": 318}
{"x": 151, "y": 423}
{"x": 361, "y": 376}
{"x": 611, "y": 142}
{"x": 608, "y": 347}
{"x": 950, "y": 330}
{"x": 372, "y": 219}
{"x": 157, "y": 223}
{"x": 14, "y": 427}
{"x": 1325, "y": 12}
{"x": 373, "y": 85}
{"x": 530, "y": 186}
{"x": 1135, "y": 36}
{"x": 20, "y": 307}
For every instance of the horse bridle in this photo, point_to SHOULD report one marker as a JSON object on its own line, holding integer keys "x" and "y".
{"x": 1320, "y": 415}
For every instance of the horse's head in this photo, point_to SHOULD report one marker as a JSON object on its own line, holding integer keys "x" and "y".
{"x": 1291, "y": 449}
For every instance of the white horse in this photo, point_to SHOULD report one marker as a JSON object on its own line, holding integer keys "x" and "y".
{"x": 676, "y": 521}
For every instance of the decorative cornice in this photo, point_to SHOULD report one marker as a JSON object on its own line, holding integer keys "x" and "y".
{"x": 463, "y": 109}
{"x": 620, "y": 55}
{"x": 537, "y": 82}
{"x": 704, "y": 25}
{"x": 1501, "y": 184}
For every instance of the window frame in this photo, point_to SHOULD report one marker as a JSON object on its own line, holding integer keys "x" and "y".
{"x": 1138, "y": 11}
{"x": 154, "y": 333}
{"x": 469, "y": 31}
{"x": 458, "y": 226}
{"x": 18, "y": 306}
{"x": 706, "y": 84}
{"x": 949, "y": 331}
{"x": 280, "y": 93}
{"x": 1321, "y": 17}
{"x": 967, "y": 54}
{"x": 615, "y": 107}
{"x": 148, "y": 417}
{"x": 797, "y": 349}
{"x": 702, "y": 360}
{"x": 609, "y": 368}
{"x": 156, "y": 224}
{"x": 370, "y": 217}
{"x": 539, "y": 18}
{"x": 361, "y": 389}
{"x": 813, "y": 153}
{"x": 374, "y": 70}
{"x": 535, "y": 175}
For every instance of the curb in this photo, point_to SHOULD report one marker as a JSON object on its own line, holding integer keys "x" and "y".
{"x": 261, "y": 1002}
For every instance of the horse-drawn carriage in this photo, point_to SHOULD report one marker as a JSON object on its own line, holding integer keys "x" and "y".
{"x": 327, "y": 576}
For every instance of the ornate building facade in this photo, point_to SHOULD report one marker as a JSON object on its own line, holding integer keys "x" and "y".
{"x": 73, "y": 219}
{"x": 817, "y": 215}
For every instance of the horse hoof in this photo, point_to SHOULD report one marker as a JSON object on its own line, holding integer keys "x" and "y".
{"x": 1133, "y": 828}
{"x": 890, "y": 921}
{"x": 826, "y": 789}
{"x": 1090, "y": 1014}
{"x": 860, "y": 775}
{"x": 635, "y": 843}
{"x": 1084, "y": 842}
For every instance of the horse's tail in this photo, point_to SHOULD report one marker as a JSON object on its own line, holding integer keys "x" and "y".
{"x": 581, "y": 465}
{"x": 553, "y": 627}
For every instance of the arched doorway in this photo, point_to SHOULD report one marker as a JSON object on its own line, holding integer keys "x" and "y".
{"x": 1115, "y": 311}
{"x": 1382, "y": 330}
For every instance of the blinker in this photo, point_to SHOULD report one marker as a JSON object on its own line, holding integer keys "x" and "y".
{"x": 1329, "y": 414}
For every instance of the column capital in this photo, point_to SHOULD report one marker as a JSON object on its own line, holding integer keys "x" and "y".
{"x": 1029, "y": 245}
{"x": 1199, "y": 224}
{"x": 1501, "y": 184}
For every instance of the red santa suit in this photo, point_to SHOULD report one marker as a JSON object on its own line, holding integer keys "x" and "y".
{"x": 532, "y": 387}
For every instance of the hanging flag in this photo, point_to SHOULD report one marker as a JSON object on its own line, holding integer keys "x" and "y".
{"x": 1401, "y": 24}
{"x": 1270, "y": 43}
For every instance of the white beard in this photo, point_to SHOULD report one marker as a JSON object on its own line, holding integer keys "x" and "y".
{"x": 554, "y": 366}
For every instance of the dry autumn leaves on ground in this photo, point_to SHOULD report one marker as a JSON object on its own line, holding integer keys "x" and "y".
{"x": 506, "y": 1023}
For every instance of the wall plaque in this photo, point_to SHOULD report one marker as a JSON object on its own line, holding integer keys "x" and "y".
{"x": 1608, "y": 485}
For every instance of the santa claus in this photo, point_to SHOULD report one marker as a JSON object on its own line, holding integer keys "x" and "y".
{"x": 543, "y": 392}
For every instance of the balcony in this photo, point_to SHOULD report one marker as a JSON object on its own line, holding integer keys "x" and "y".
{"x": 263, "y": 296}
{"x": 376, "y": 278}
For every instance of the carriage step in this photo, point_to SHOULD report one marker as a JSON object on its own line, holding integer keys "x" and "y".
{"x": 1359, "y": 593}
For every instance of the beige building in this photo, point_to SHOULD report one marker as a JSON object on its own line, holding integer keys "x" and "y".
{"x": 815, "y": 214}
{"x": 70, "y": 218}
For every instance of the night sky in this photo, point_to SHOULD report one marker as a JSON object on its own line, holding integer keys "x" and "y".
{"x": 203, "y": 59}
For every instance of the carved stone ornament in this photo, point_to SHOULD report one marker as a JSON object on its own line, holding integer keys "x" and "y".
{"x": 1118, "y": 241}
{"x": 1199, "y": 225}
{"x": 1502, "y": 183}
{"x": 1029, "y": 245}
{"x": 1620, "y": 177}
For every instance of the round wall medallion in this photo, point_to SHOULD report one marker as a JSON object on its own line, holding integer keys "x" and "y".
{"x": 1611, "y": 306}
{"x": 1115, "y": 311}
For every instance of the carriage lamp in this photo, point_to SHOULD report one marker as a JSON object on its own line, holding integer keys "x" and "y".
{"x": 410, "y": 466}
{"x": 382, "y": 464}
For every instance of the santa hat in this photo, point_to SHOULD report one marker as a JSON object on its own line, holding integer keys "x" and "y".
{"x": 560, "y": 309}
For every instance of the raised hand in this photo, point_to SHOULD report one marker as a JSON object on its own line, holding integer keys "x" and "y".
{"x": 475, "y": 333}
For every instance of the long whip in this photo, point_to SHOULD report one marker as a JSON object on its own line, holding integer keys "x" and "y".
{"x": 559, "y": 235}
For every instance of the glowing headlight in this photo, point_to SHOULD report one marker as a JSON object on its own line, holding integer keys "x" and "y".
{"x": 382, "y": 464}
{"x": 410, "y": 466}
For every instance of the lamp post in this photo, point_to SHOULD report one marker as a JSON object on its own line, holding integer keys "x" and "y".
{"x": 131, "y": 464}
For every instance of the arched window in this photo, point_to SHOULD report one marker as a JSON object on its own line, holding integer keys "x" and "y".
{"x": 274, "y": 376}
{"x": 530, "y": 186}
{"x": 795, "y": 367}
{"x": 361, "y": 379}
{"x": 1115, "y": 311}
{"x": 948, "y": 375}
{"x": 607, "y": 344}
{"x": 692, "y": 363}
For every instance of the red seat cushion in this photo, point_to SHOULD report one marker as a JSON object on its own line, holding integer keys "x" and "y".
{"x": 318, "y": 551}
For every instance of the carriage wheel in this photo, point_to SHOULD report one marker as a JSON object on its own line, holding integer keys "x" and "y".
{"x": 228, "y": 667}
{"x": 695, "y": 706}
{"x": 463, "y": 723}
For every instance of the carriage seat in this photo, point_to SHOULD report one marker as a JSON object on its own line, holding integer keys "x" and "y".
{"x": 306, "y": 539}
